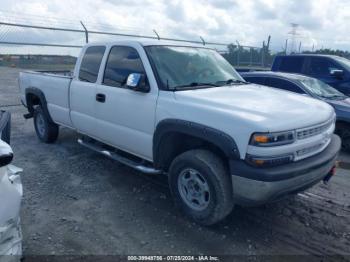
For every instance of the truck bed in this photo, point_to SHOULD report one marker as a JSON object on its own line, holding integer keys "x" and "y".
{"x": 55, "y": 85}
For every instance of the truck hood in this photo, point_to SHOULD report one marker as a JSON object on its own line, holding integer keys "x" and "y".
{"x": 271, "y": 109}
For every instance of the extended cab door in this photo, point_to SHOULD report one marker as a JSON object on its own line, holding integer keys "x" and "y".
{"x": 83, "y": 90}
{"x": 126, "y": 118}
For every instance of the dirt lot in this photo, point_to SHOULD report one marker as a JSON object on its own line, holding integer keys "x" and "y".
{"x": 77, "y": 202}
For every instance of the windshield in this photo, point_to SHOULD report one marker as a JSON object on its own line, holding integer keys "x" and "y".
{"x": 181, "y": 68}
{"x": 321, "y": 89}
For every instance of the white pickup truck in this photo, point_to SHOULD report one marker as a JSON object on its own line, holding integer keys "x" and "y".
{"x": 183, "y": 111}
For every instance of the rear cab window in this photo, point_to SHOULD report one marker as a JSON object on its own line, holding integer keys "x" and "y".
{"x": 290, "y": 64}
{"x": 90, "y": 64}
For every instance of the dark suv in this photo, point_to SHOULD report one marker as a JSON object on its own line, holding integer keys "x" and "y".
{"x": 333, "y": 70}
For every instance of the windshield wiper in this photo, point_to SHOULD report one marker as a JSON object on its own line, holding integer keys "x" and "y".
{"x": 330, "y": 96}
{"x": 191, "y": 85}
{"x": 337, "y": 97}
{"x": 232, "y": 81}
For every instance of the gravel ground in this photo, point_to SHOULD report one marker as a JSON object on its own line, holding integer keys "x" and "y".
{"x": 77, "y": 202}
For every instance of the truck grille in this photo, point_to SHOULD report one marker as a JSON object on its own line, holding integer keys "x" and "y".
{"x": 314, "y": 131}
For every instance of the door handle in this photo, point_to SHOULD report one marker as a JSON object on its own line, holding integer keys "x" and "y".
{"x": 101, "y": 98}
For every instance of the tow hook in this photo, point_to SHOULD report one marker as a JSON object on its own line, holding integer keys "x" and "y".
{"x": 331, "y": 173}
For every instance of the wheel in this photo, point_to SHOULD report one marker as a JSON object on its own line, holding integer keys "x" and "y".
{"x": 201, "y": 186}
{"x": 343, "y": 131}
{"x": 45, "y": 130}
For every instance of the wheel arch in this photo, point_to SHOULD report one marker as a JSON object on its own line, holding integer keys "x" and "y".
{"x": 173, "y": 137}
{"x": 34, "y": 96}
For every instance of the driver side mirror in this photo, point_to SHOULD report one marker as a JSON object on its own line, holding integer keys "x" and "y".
{"x": 337, "y": 73}
{"x": 137, "y": 82}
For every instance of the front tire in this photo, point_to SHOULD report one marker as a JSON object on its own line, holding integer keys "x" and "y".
{"x": 201, "y": 186}
{"x": 46, "y": 130}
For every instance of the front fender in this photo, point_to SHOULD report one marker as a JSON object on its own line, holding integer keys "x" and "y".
{"x": 216, "y": 137}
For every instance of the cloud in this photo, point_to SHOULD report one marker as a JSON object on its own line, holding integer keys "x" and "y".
{"x": 264, "y": 11}
{"x": 321, "y": 23}
{"x": 223, "y": 4}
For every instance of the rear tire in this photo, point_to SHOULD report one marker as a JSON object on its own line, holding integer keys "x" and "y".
{"x": 201, "y": 186}
{"x": 343, "y": 130}
{"x": 46, "y": 130}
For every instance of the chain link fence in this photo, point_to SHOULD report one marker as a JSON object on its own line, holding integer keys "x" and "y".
{"x": 48, "y": 45}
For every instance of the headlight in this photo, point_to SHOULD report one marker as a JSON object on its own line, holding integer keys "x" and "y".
{"x": 272, "y": 139}
{"x": 269, "y": 161}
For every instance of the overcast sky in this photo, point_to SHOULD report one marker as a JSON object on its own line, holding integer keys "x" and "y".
{"x": 323, "y": 23}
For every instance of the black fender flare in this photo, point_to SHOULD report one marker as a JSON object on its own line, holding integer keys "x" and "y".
{"x": 216, "y": 137}
{"x": 38, "y": 93}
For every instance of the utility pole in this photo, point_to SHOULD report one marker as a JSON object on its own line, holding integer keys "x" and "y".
{"x": 294, "y": 34}
{"x": 300, "y": 47}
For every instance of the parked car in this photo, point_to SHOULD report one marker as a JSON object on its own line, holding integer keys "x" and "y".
{"x": 314, "y": 88}
{"x": 183, "y": 111}
{"x": 333, "y": 70}
{"x": 10, "y": 197}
